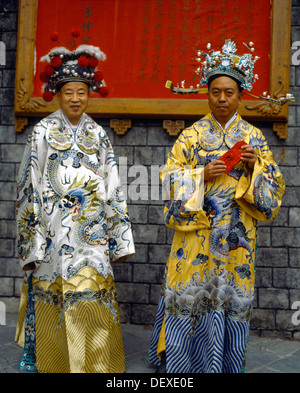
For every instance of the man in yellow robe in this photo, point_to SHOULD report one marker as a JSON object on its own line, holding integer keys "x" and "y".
{"x": 202, "y": 321}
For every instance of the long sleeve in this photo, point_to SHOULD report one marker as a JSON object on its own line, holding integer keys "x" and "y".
{"x": 183, "y": 188}
{"x": 29, "y": 211}
{"x": 260, "y": 191}
{"x": 121, "y": 245}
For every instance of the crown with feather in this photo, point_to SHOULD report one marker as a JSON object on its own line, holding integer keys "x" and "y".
{"x": 76, "y": 65}
{"x": 227, "y": 63}
{"x": 239, "y": 67}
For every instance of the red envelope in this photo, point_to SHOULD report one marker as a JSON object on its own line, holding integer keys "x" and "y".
{"x": 233, "y": 156}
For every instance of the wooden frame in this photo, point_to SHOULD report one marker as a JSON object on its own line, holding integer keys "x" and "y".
{"x": 26, "y": 105}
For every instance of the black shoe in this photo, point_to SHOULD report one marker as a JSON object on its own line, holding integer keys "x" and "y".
{"x": 161, "y": 369}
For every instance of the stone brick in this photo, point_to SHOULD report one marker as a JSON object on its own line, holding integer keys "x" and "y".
{"x": 6, "y": 286}
{"x": 138, "y": 214}
{"x": 18, "y": 286}
{"x": 263, "y": 277}
{"x": 7, "y": 134}
{"x": 155, "y": 293}
{"x": 292, "y": 78}
{"x": 290, "y": 238}
{"x": 284, "y": 320}
{"x": 292, "y": 118}
{"x": 136, "y": 134}
{"x": 294, "y": 216}
{"x": 122, "y": 153}
{"x": 159, "y": 137}
{"x": 291, "y": 177}
{"x": 8, "y": 191}
{"x": 295, "y": 91}
{"x": 286, "y": 278}
{"x": 7, "y": 210}
{"x": 255, "y": 303}
{"x": 132, "y": 293}
{"x": 11, "y": 153}
{"x": 123, "y": 271}
{"x": 272, "y": 257}
{"x": 10, "y": 267}
{"x": 7, "y": 248}
{"x": 12, "y": 304}
{"x": 152, "y": 274}
{"x": 296, "y": 336}
{"x": 264, "y": 237}
{"x": 8, "y": 229}
{"x": 284, "y": 155}
{"x": 273, "y": 298}
{"x": 263, "y": 319}
{"x": 8, "y": 22}
{"x": 298, "y": 114}
{"x": 156, "y": 215}
{"x": 10, "y": 41}
{"x": 292, "y": 139}
{"x": 7, "y": 172}
{"x": 7, "y": 96}
{"x": 8, "y": 78}
{"x": 149, "y": 155}
{"x": 149, "y": 234}
{"x": 141, "y": 253}
{"x": 297, "y": 75}
{"x": 143, "y": 314}
{"x": 159, "y": 253}
{"x": 295, "y": 12}
{"x": 8, "y": 6}
{"x": 7, "y": 116}
{"x": 294, "y": 257}
{"x": 291, "y": 197}
{"x": 125, "y": 312}
{"x": 170, "y": 235}
{"x": 294, "y": 296}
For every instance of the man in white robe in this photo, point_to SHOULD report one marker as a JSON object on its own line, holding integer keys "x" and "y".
{"x": 72, "y": 223}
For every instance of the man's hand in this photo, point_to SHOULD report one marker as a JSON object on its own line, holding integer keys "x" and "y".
{"x": 249, "y": 156}
{"x": 214, "y": 169}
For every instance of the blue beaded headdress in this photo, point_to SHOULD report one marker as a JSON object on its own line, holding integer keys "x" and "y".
{"x": 239, "y": 67}
{"x": 227, "y": 63}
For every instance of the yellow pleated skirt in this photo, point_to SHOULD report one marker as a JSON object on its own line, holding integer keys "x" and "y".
{"x": 77, "y": 325}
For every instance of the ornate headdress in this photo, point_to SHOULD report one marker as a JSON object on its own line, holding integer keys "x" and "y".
{"x": 227, "y": 63}
{"x": 64, "y": 65}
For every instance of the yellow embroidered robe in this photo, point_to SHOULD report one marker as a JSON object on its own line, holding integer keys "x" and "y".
{"x": 203, "y": 316}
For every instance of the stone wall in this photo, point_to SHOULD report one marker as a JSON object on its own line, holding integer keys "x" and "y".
{"x": 139, "y": 279}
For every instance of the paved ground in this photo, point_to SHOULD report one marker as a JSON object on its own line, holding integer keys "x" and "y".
{"x": 264, "y": 355}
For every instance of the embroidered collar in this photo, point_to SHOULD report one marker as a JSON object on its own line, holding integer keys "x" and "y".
{"x": 72, "y": 126}
{"x": 211, "y": 136}
{"x": 228, "y": 123}
{"x": 60, "y": 134}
